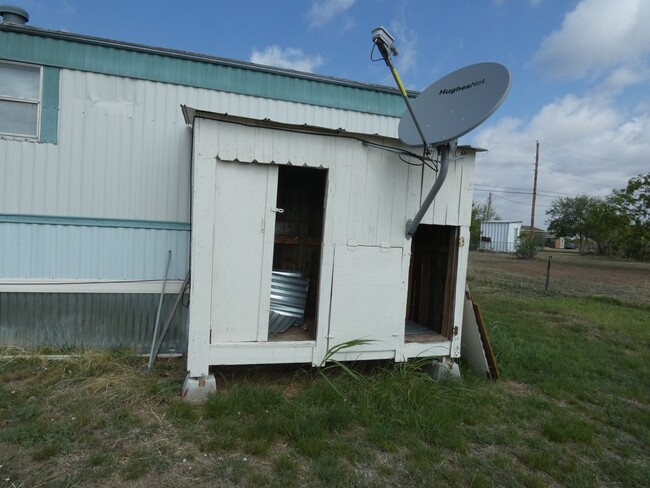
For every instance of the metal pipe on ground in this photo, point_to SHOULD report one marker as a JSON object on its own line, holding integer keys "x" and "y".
{"x": 155, "y": 330}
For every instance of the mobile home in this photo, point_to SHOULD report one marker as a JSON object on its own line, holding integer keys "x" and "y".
{"x": 114, "y": 154}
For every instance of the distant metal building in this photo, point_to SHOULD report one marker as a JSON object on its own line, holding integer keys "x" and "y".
{"x": 500, "y": 235}
{"x": 103, "y": 174}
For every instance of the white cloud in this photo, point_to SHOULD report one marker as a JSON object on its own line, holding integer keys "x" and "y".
{"x": 596, "y": 36}
{"x": 323, "y": 11}
{"x": 289, "y": 58}
{"x": 588, "y": 146}
{"x": 593, "y": 140}
{"x": 625, "y": 76}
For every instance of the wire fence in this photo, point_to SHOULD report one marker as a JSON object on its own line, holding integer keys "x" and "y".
{"x": 563, "y": 273}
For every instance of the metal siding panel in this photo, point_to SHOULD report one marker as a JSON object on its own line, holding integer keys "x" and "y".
{"x": 124, "y": 149}
{"x": 33, "y": 320}
{"x": 50, "y": 105}
{"x": 501, "y": 233}
{"x": 208, "y": 74}
{"x": 81, "y": 252}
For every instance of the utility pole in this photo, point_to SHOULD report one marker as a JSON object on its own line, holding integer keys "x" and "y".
{"x": 532, "y": 212}
{"x": 488, "y": 214}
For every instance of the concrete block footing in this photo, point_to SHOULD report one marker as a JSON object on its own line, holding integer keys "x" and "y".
{"x": 443, "y": 370}
{"x": 196, "y": 390}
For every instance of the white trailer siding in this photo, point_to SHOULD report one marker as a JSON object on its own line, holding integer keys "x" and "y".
{"x": 89, "y": 252}
{"x": 122, "y": 155}
{"x": 123, "y": 147}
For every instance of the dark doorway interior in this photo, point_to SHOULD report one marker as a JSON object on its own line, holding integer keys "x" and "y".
{"x": 299, "y": 231}
{"x": 432, "y": 281}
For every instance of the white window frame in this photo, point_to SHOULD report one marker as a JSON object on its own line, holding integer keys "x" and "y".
{"x": 38, "y": 102}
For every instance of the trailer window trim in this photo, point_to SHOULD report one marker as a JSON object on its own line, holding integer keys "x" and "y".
{"x": 20, "y": 85}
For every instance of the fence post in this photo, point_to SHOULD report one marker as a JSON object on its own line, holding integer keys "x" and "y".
{"x": 548, "y": 273}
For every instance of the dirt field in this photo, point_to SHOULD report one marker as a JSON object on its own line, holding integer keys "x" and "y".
{"x": 570, "y": 275}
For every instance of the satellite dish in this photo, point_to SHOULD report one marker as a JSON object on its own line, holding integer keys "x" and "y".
{"x": 455, "y": 104}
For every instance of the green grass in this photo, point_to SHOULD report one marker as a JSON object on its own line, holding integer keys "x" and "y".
{"x": 572, "y": 409}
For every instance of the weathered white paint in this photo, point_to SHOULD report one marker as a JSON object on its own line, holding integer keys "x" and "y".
{"x": 426, "y": 349}
{"x": 368, "y": 297}
{"x": 365, "y": 257}
{"x": 203, "y": 184}
{"x": 461, "y": 278}
{"x": 242, "y": 250}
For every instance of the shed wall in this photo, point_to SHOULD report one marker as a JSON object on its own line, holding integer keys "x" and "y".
{"x": 370, "y": 195}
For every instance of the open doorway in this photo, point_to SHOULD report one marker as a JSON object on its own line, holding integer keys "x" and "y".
{"x": 432, "y": 281}
{"x": 298, "y": 239}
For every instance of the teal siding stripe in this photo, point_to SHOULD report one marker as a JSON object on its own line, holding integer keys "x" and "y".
{"x": 91, "y": 222}
{"x": 50, "y": 105}
{"x": 168, "y": 68}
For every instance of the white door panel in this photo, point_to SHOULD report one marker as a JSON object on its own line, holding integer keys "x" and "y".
{"x": 243, "y": 250}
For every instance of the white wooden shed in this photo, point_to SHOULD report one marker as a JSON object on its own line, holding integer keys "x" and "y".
{"x": 333, "y": 206}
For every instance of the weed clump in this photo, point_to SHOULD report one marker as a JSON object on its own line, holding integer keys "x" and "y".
{"x": 526, "y": 249}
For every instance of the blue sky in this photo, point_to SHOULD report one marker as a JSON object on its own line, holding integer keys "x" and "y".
{"x": 580, "y": 70}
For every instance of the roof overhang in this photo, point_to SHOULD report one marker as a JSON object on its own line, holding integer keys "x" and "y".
{"x": 190, "y": 113}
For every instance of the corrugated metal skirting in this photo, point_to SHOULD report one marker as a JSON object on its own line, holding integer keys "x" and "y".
{"x": 33, "y": 320}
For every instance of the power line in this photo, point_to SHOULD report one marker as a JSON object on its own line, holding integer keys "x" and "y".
{"x": 508, "y": 189}
{"x": 520, "y": 203}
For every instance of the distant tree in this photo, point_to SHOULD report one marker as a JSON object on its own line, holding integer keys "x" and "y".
{"x": 618, "y": 224}
{"x": 605, "y": 225}
{"x": 633, "y": 204}
{"x": 569, "y": 217}
{"x": 634, "y": 199}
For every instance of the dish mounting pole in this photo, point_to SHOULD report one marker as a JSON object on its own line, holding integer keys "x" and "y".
{"x": 385, "y": 43}
{"x": 445, "y": 150}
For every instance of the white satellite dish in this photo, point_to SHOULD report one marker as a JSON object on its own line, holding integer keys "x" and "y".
{"x": 455, "y": 104}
